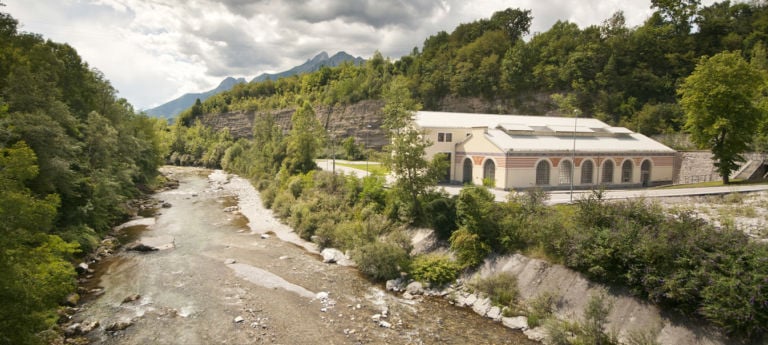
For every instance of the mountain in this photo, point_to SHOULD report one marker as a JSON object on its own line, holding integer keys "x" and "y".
{"x": 312, "y": 65}
{"x": 171, "y": 109}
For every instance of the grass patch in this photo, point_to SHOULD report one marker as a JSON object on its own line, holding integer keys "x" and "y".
{"x": 375, "y": 168}
{"x": 500, "y": 288}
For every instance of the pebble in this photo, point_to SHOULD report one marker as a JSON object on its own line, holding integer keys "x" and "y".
{"x": 239, "y": 319}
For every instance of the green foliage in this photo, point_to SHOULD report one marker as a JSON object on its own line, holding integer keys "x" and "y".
{"x": 381, "y": 261}
{"x": 589, "y": 330}
{"x": 71, "y": 154}
{"x": 720, "y": 100}
{"x": 305, "y": 139}
{"x": 501, "y": 288}
{"x": 540, "y": 308}
{"x": 434, "y": 268}
{"x": 442, "y": 211}
{"x": 470, "y": 250}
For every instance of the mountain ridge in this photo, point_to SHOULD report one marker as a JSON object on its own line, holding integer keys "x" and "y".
{"x": 172, "y": 108}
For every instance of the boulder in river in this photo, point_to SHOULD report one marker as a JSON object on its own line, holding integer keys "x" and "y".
{"x": 415, "y": 288}
{"x": 335, "y": 256}
{"x": 140, "y": 247}
{"x": 81, "y": 268}
{"x": 131, "y": 298}
{"x": 119, "y": 325}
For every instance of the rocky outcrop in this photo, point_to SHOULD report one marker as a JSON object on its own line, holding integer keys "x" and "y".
{"x": 628, "y": 314}
{"x": 361, "y": 120}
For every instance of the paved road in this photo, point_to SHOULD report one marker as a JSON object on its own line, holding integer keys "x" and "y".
{"x": 564, "y": 197}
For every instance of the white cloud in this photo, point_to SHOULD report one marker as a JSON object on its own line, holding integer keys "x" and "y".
{"x": 155, "y": 50}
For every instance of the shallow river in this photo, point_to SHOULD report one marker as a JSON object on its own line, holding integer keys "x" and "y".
{"x": 222, "y": 282}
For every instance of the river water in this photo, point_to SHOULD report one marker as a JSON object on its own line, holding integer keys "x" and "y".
{"x": 220, "y": 281}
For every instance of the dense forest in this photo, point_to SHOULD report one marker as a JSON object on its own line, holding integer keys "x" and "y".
{"x": 72, "y": 155}
{"x": 627, "y": 76}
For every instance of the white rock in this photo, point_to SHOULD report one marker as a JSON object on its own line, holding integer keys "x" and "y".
{"x": 332, "y": 255}
{"x": 481, "y": 307}
{"x": 230, "y": 261}
{"x": 517, "y": 322}
{"x": 494, "y": 313}
{"x": 536, "y": 334}
{"x": 264, "y": 236}
{"x": 415, "y": 288}
{"x": 322, "y": 295}
{"x": 239, "y": 319}
{"x": 376, "y": 317}
{"x": 385, "y": 324}
{"x": 407, "y": 295}
{"x": 395, "y": 285}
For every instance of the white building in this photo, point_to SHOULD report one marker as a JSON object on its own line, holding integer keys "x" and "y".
{"x": 516, "y": 151}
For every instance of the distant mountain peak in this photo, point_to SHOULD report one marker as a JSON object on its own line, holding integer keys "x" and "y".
{"x": 171, "y": 109}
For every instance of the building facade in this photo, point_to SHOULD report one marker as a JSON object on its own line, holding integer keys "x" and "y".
{"x": 518, "y": 152}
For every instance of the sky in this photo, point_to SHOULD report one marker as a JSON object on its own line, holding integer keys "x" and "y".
{"x": 153, "y": 51}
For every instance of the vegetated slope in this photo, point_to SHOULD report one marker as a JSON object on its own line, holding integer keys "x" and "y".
{"x": 171, "y": 109}
{"x": 72, "y": 155}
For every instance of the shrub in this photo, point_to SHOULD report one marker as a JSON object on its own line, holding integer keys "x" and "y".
{"x": 501, "y": 288}
{"x": 442, "y": 211}
{"x": 268, "y": 196}
{"x": 540, "y": 308}
{"x": 381, "y": 261}
{"x": 470, "y": 251}
{"x": 437, "y": 269}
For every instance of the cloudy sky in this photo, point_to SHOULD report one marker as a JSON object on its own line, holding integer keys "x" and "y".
{"x": 156, "y": 50}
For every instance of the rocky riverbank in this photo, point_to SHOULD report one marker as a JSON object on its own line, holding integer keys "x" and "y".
{"x": 224, "y": 281}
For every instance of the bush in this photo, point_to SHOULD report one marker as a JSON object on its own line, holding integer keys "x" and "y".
{"x": 381, "y": 261}
{"x": 437, "y": 269}
{"x": 443, "y": 216}
{"x": 540, "y": 308}
{"x": 501, "y": 288}
{"x": 470, "y": 251}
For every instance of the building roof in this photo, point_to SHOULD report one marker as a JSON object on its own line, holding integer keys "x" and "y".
{"x": 522, "y": 133}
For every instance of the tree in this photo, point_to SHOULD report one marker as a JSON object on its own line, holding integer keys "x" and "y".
{"x": 413, "y": 173}
{"x": 720, "y": 101}
{"x": 305, "y": 139}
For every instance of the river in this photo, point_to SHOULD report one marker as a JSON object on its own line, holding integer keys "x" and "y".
{"x": 243, "y": 278}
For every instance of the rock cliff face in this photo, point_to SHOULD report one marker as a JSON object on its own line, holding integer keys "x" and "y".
{"x": 361, "y": 120}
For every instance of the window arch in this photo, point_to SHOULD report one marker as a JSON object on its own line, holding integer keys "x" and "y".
{"x": 566, "y": 172}
{"x": 587, "y": 172}
{"x": 607, "y": 172}
{"x": 467, "y": 171}
{"x": 645, "y": 173}
{"x": 626, "y": 171}
{"x": 489, "y": 170}
{"x": 542, "y": 173}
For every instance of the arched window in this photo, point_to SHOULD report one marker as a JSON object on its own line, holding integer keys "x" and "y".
{"x": 607, "y": 172}
{"x": 645, "y": 173}
{"x": 566, "y": 172}
{"x": 587, "y": 172}
{"x": 542, "y": 173}
{"x": 626, "y": 171}
{"x": 467, "y": 175}
{"x": 489, "y": 170}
